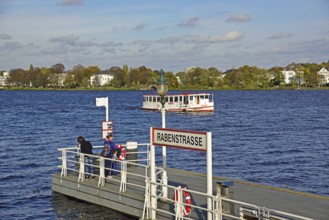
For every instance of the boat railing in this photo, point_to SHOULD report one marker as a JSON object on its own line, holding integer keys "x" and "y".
{"x": 73, "y": 163}
{"x": 222, "y": 207}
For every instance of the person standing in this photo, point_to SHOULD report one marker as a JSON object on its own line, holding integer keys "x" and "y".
{"x": 107, "y": 154}
{"x": 87, "y": 149}
{"x": 115, "y": 152}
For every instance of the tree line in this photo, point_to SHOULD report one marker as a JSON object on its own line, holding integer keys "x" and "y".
{"x": 245, "y": 77}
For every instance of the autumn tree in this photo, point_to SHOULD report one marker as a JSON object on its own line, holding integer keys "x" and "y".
{"x": 18, "y": 77}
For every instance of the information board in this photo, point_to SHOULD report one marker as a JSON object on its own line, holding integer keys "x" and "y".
{"x": 107, "y": 128}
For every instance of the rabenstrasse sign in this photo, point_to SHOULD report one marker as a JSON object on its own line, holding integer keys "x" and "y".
{"x": 193, "y": 140}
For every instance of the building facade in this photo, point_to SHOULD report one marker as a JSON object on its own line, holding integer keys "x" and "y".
{"x": 100, "y": 79}
{"x": 3, "y": 79}
{"x": 288, "y": 76}
{"x": 324, "y": 79}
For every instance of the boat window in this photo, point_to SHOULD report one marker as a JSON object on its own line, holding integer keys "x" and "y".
{"x": 145, "y": 99}
{"x": 154, "y": 99}
{"x": 158, "y": 99}
{"x": 180, "y": 98}
{"x": 171, "y": 99}
{"x": 166, "y": 98}
{"x": 176, "y": 98}
{"x": 206, "y": 96}
{"x": 201, "y": 96}
{"x": 191, "y": 98}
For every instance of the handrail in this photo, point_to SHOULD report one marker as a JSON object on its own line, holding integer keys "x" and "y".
{"x": 217, "y": 212}
{"x": 74, "y": 161}
{"x": 69, "y": 163}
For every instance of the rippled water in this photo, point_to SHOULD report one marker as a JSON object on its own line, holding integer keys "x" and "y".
{"x": 278, "y": 138}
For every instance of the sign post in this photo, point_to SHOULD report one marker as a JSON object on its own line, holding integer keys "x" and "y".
{"x": 192, "y": 140}
{"x": 104, "y": 101}
{"x": 107, "y": 126}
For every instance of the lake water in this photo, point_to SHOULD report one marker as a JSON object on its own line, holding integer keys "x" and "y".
{"x": 278, "y": 138}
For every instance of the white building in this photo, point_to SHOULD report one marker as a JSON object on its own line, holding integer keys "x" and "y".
{"x": 4, "y": 78}
{"x": 325, "y": 76}
{"x": 288, "y": 75}
{"x": 178, "y": 80}
{"x": 100, "y": 79}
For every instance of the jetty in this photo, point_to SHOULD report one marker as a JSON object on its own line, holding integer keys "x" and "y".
{"x": 130, "y": 192}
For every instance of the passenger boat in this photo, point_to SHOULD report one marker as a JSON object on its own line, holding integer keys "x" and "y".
{"x": 187, "y": 102}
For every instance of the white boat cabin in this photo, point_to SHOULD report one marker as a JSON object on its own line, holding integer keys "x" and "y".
{"x": 200, "y": 102}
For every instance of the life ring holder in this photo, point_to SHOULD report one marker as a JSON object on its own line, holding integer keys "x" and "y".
{"x": 187, "y": 197}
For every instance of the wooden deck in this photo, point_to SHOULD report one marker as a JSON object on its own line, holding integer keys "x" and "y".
{"x": 132, "y": 201}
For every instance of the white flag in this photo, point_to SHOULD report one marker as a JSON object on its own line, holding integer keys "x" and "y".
{"x": 101, "y": 101}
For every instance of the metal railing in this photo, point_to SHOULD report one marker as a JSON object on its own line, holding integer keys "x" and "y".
{"x": 237, "y": 210}
{"x": 222, "y": 207}
{"x": 74, "y": 161}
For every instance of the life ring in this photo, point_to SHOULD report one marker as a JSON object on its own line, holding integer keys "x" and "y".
{"x": 188, "y": 202}
{"x": 123, "y": 152}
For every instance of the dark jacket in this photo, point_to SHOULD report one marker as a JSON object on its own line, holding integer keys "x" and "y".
{"x": 86, "y": 147}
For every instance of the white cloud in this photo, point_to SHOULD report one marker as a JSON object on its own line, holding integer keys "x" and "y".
{"x": 239, "y": 18}
{"x": 11, "y": 46}
{"x": 71, "y": 2}
{"x": 68, "y": 39}
{"x": 139, "y": 27}
{"x": 190, "y": 22}
{"x": 56, "y": 50}
{"x": 280, "y": 35}
{"x": 228, "y": 37}
{"x": 192, "y": 39}
{"x": 111, "y": 44}
{"x": 5, "y": 37}
{"x": 275, "y": 49}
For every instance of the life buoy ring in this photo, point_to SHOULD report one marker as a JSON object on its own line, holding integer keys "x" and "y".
{"x": 187, "y": 197}
{"x": 123, "y": 152}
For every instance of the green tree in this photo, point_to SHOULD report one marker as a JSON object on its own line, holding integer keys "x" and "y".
{"x": 215, "y": 78}
{"x": 171, "y": 79}
{"x": 69, "y": 81}
{"x": 78, "y": 72}
{"x": 18, "y": 77}
{"x": 57, "y": 68}
{"x": 119, "y": 77}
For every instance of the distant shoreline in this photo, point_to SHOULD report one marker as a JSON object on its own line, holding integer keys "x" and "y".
{"x": 141, "y": 89}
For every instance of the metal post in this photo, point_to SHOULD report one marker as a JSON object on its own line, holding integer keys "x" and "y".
{"x": 64, "y": 163}
{"x": 82, "y": 168}
{"x": 164, "y": 158}
{"x": 153, "y": 177}
{"x": 123, "y": 185}
{"x": 209, "y": 174}
{"x": 101, "y": 180}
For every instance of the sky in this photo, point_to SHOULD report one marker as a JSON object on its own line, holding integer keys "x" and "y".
{"x": 171, "y": 35}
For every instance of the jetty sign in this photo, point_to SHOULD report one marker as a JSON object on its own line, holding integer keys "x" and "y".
{"x": 192, "y": 140}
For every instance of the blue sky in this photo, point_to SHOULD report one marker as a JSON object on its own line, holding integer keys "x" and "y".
{"x": 169, "y": 35}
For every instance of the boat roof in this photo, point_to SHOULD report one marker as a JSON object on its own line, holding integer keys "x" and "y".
{"x": 184, "y": 94}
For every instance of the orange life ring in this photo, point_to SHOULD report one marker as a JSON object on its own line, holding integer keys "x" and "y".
{"x": 188, "y": 201}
